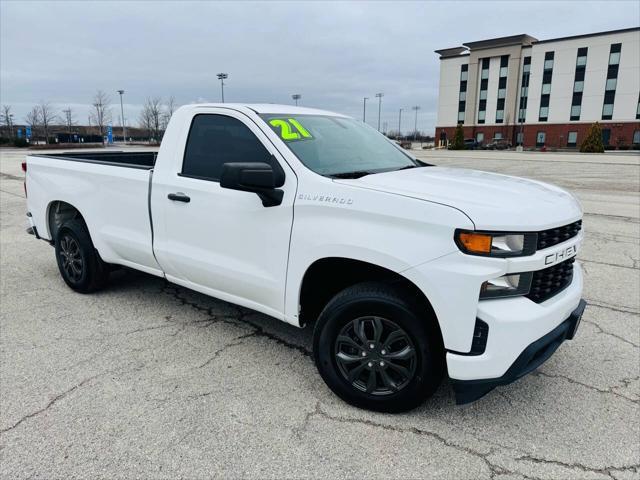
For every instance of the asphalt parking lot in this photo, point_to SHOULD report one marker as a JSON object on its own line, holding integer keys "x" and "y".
{"x": 148, "y": 380}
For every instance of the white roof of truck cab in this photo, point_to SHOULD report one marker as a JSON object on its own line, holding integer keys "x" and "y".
{"x": 268, "y": 108}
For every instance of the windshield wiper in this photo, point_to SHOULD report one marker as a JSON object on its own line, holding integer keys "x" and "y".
{"x": 356, "y": 174}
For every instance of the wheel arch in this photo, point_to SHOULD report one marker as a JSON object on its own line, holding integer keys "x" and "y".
{"x": 58, "y": 212}
{"x": 327, "y": 276}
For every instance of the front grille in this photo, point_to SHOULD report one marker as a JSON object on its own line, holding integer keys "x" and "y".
{"x": 551, "y": 281}
{"x": 554, "y": 236}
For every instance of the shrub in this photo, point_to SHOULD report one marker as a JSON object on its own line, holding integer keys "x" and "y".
{"x": 593, "y": 141}
{"x": 458, "y": 139}
{"x": 20, "y": 142}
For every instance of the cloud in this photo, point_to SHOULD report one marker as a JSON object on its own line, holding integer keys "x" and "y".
{"x": 332, "y": 53}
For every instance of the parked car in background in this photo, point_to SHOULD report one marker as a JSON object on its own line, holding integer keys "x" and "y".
{"x": 497, "y": 144}
{"x": 471, "y": 144}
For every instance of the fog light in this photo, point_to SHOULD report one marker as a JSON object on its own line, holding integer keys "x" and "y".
{"x": 512, "y": 285}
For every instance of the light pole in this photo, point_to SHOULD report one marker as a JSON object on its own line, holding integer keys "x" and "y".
{"x": 222, "y": 77}
{"x": 124, "y": 131}
{"x": 399, "y": 124}
{"x": 379, "y": 97}
{"x": 415, "y": 126}
{"x": 296, "y": 97}
{"x": 364, "y": 109}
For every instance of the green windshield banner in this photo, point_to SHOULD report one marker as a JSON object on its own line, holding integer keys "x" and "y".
{"x": 289, "y": 129}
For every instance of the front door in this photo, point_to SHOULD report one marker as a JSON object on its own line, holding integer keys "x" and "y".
{"x": 218, "y": 241}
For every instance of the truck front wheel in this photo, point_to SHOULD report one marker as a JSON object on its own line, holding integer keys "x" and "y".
{"x": 81, "y": 267}
{"x": 375, "y": 349}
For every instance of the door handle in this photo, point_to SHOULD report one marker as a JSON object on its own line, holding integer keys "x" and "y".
{"x": 179, "y": 197}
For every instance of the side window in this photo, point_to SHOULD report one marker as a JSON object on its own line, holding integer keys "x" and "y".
{"x": 217, "y": 139}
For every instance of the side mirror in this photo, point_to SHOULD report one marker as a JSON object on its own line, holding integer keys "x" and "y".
{"x": 259, "y": 178}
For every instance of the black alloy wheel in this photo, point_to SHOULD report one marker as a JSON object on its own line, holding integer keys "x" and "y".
{"x": 375, "y": 355}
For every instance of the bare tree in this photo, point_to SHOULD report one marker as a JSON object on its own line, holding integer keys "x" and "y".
{"x": 170, "y": 107}
{"x": 33, "y": 120}
{"x": 47, "y": 117}
{"x": 151, "y": 117}
{"x": 7, "y": 118}
{"x": 101, "y": 113}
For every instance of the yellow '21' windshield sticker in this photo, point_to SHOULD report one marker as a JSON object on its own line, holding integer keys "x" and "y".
{"x": 289, "y": 129}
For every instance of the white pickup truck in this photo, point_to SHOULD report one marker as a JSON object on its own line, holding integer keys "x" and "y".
{"x": 407, "y": 271}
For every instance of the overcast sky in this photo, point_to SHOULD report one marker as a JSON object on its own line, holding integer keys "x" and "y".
{"x": 332, "y": 53}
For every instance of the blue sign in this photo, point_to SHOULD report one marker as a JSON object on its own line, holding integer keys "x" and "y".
{"x": 28, "y": 132}
{"x": 109, "y": 134}
{"x": 19, "y": 133}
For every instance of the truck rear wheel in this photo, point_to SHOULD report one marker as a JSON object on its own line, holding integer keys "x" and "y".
{"x": 78, "y": 261}
{"x": 376, "y": 350}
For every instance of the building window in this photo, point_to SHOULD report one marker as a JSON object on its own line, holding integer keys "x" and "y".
{"x": 572, "y": 139}
{"x": 638, "y": 109}
{"x": 606, "y": 136}
{"x": 484, "y": 85}
{"x": 540, "y": 139}
{"x": 612, "y": 81}
{"x": 502, "y": 92}
{"x": 464, "y": 73}
{"x": 462, "y": 92}
{"x": 497, "y": 136}
{"x": 614, "y": 54}
{"x": 547, "y": 75}
{"x": 544, "y": 114}
{"x": 578, "y": 84}
{"x": 636, "y": 137}
{"x": 575, "y": 112}
{"x": 499, "y": 116}
{"x": 524, "y": 88}
{"x": 519, "y": 138}
{"x": 480, "y": 137}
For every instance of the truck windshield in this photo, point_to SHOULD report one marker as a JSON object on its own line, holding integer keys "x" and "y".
{"x": 338, "y": 147}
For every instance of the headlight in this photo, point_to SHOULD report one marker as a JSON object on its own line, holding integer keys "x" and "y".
{"x": 496, "y": 244}
{"x": 512, "y": 285}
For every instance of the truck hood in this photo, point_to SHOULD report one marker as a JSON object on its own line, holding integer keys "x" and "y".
{"x": 492, "y": 201}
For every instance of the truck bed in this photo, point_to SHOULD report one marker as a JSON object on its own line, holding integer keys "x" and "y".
{"x": 141, "y": 160}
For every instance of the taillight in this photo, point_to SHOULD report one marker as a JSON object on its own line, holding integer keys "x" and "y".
{"x": 24, "y": 169}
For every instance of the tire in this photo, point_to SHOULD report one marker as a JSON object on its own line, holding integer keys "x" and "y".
{"x": 81, "y": 267}
{"x": 403, "y": 380}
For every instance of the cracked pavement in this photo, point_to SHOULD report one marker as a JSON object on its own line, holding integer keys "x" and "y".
{"x": 146, "y": 379}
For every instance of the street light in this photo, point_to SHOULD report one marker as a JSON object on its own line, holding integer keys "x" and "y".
{"x": 296, "y": 97}
{"x": 399, "y": 123}
{"x": 364, "y": 110}
{"x": 379, "y": 97}
{"x": 415, "y": 126}
{"x": 222, "y": 77}
{"x": 124, "y": 131}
